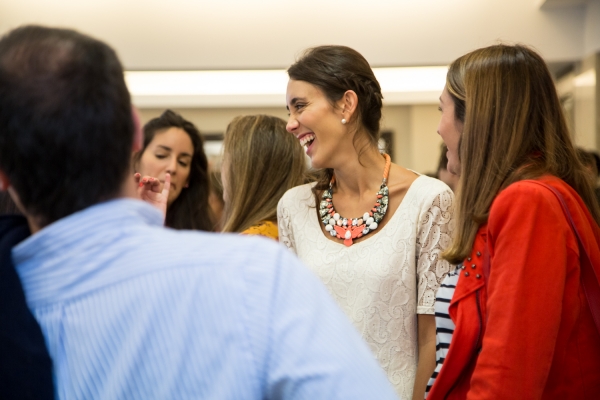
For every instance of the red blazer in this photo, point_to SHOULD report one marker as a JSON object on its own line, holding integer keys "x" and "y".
{"x": 527, "y": 333}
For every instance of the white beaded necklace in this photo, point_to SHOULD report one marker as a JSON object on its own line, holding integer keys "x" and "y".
{"x": 354, "y": 228}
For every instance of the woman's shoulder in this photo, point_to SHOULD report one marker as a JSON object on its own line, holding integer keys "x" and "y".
{"x": 529, "y": 190}
{"x": 433, "y": 184}
{"x": 265, "y": 228}
{"x": 526, "y": 198}
{"x": 426, "y": 190}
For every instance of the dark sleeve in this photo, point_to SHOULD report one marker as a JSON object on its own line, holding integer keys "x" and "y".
{"x": 25, "y": 365}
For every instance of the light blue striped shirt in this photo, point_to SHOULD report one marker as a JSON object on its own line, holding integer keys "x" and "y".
{"x": 131, "y": 310}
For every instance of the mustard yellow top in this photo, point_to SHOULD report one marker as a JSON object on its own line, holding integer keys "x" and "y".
{"x": 265, "y": 228}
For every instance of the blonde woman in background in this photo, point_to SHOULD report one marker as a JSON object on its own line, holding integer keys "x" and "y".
{"x": 261, "y": 161}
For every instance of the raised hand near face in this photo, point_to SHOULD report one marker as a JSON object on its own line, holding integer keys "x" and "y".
{"x": 152, "y": 191}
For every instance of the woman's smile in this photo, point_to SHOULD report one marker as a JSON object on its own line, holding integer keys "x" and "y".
{"x": 306, "y": 140}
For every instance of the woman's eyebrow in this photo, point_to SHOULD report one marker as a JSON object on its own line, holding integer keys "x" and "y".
{"x": 294, "y": 101}
{"x": 167, "y": 148}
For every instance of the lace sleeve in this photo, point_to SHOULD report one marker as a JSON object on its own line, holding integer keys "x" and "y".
{"x": 436, "y": 227}
{"x": 284, "y": 222}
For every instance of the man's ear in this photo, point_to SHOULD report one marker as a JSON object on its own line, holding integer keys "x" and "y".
{"x": 4, "y": 181}
{"x": 138, "y": 137}
{"x": 5, "y": 186}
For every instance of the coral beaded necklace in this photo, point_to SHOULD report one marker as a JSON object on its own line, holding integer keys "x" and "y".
{"x": 354, "y": 228}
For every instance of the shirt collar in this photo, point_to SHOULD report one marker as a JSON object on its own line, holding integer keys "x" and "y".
{"x": 84, "y": 226}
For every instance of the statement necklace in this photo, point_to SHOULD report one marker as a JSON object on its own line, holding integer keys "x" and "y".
{"x": 354, "y": 228}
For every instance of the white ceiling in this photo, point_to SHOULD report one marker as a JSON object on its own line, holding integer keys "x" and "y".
{"x": 242, "y": 34}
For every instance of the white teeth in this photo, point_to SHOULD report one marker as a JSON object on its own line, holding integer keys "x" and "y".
{"x": 307, "y": 139}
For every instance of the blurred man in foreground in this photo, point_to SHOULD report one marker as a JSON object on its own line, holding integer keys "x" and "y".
{"x": 128, "y": 308}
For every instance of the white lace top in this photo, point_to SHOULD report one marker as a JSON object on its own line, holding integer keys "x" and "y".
{"x": 384, "y": 281}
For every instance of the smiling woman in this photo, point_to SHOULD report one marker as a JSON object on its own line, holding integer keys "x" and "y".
{"x": 381, "y": 263}
{"x": 173, "y": 145}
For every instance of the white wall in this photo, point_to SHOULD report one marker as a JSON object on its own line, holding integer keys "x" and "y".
{"x": 585, "y": 117}
{"x": 581, "y": 90}
{"x": 425, "y": 146}
{"x": 591, "y": 38}
{"x": 237, "y": 34}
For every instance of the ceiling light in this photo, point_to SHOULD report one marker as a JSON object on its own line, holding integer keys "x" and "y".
{"x": 586, "y": 79}
{"x": 246, "y": 88}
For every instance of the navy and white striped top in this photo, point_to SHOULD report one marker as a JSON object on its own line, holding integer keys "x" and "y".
{"x": 444, "y": 325}
{"x": 131, "y": 310}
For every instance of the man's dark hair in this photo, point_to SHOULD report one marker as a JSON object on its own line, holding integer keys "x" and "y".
{"x": 66, "y": 129}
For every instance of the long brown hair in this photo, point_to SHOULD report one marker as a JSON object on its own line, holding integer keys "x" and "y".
{"x": 335, "y": 70}
{"x": 191, "y": 209}
{"x": 513, "y": 129}
{"x": 263, "y": 162}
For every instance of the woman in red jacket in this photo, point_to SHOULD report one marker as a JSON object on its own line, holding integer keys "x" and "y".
{"x": 514, "y": 320}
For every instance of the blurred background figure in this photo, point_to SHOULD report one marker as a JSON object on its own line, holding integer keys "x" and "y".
{"x": 591, "y": 161}
{"x": 261, "y": 161}
{"x": 173, "y": 145}
{"x": 24, "y": 358}
{"x": 597, "y": 186}
{"x": 215, "y": 197}
{"x": 588, "y": 160}
{"x": 443, "y": 174}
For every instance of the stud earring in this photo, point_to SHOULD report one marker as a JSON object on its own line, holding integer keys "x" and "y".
{"x": 344, "y": 121}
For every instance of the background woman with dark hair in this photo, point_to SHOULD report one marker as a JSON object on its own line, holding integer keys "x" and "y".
{"x": 520, "y": 324}
{"x": 261, "y": 161}
{"x": 173, "y": 145}
{"x": 370, "y": 229}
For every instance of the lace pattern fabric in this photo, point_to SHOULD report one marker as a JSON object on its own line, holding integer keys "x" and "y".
{"x": 384, "y": 281}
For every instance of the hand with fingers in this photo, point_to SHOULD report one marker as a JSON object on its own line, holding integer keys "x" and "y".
{"x": 149, "y": 189}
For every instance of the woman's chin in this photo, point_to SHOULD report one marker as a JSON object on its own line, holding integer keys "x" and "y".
{"x": 170, "y": 201}
{"x": 314, "y": 163}
{"x": 454, "y": 169}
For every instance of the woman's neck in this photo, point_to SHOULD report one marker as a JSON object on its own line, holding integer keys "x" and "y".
{"x": 357, "y": 176}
